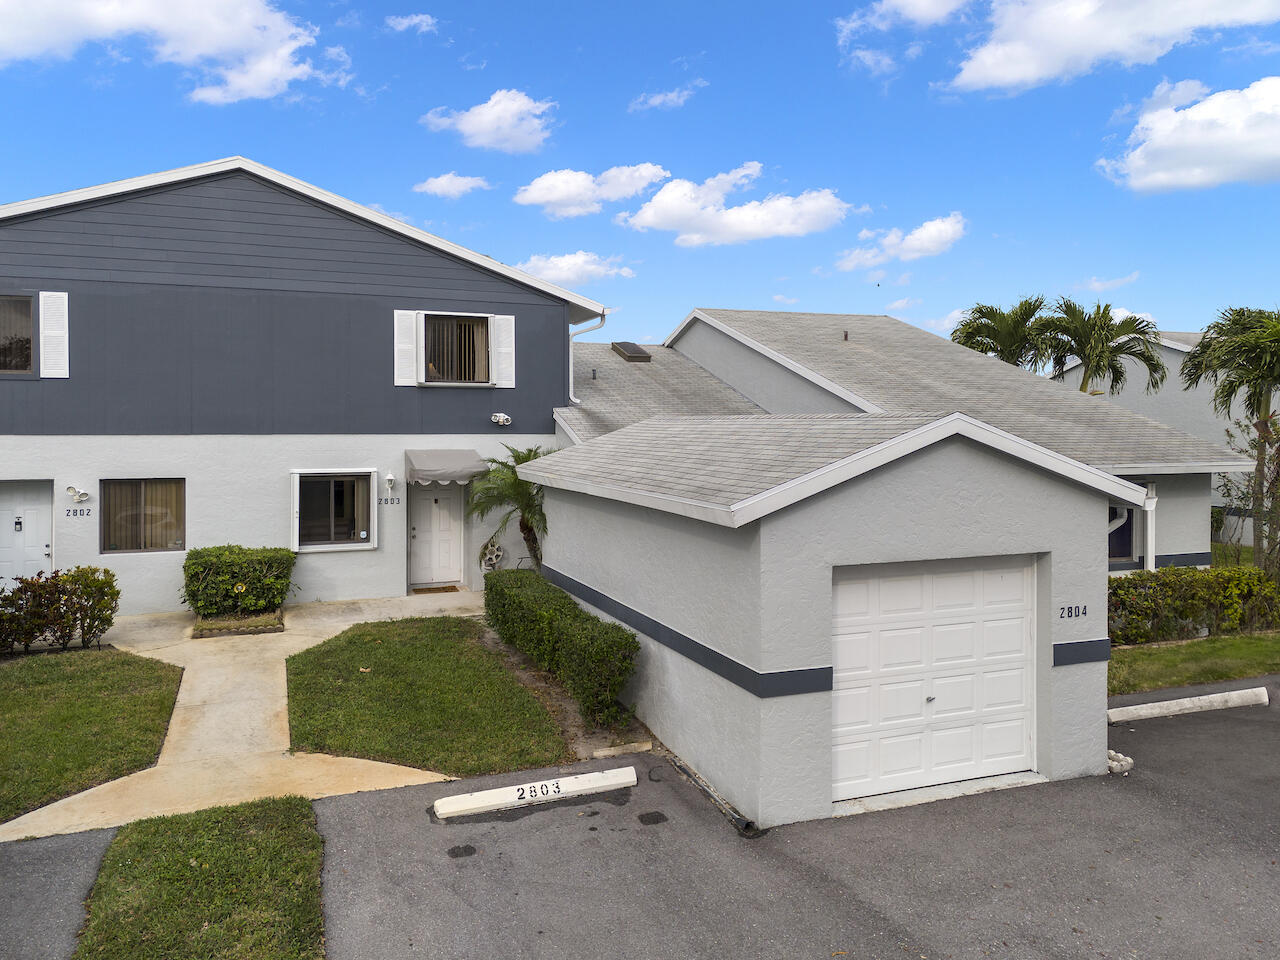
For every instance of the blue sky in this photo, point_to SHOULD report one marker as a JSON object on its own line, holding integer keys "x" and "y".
{"x": 903, "y": 156}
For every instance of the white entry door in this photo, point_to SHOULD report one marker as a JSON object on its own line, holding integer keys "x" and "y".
{"x": 933, "y": 674}
{"x": 26, "y": 528}
{"x": 435, "y": 534}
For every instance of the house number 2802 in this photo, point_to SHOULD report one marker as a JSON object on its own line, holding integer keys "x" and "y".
{"x": 1068, "y": 613}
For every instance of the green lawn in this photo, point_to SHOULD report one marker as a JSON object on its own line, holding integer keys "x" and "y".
{"x": 76, "y": 719}
{"x": 1211, "y": 660}
{"x": 421, "y": 693}
{"x": 1231, "y": 555}
{"x": 241, "y": 883}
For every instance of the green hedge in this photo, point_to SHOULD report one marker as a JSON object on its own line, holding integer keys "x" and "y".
{"x": 1176, "y": 603}
{"x": 592, "y": 658}
{"x": 218, "y": 581}
{"x": 58, "y": 607}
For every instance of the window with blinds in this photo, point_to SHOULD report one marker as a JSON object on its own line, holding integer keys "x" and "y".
{"x": 456, "y": 349}
{"x": 17, "y": 332}
{"x": 138, "y": 515}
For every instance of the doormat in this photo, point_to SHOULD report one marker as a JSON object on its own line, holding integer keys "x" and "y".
{"x": 435, "y": 589}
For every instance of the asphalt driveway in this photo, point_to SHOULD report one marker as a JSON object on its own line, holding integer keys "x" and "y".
{"x": 1177, "y": 860}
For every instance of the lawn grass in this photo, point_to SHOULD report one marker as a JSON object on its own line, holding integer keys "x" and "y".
{"x": 76, "y": 719}
{"x": 1211, "y": 660}
{"x": 422, "y": 693}
{"x": 1231, "y": 555}
{"x": 237, "y": 882}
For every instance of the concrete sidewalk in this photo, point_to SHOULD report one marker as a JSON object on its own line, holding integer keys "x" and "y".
{"x": 228, "y": 738}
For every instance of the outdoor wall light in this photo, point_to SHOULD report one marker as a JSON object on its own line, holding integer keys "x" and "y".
{"x": 76, "y": 495}
{"x": 501, "y": 419}
{"x": 390, "y": 481}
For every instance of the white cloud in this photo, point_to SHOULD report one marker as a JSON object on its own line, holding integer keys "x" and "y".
{"x": 886, "y": 13}
{"x": 906, "y": 303}
{"x": 944, "y": 325}
{"x": 575, "y": 193}
{"x": 1253, "y": 47}
{"x": 510, "y": 121}
{"x": 1120, "y": 313}
{"x": 1034, "y": 42}
{"x": 1226, "y": 137}
{"x": 697, "y": 212}
{"x": 451, "y": 185}
{"x": 239, "y": 49}
{"x": 419, "y": 22}
{"x": 568, "y": 269}
{"x": 877, "y": 62}
{"x": 1098, "y": 285}
{"x": 927, "y": 240}
{"x": 667, "y": 100}
{"x": 780, "y": 298}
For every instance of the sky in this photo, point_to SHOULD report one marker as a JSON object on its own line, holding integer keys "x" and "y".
{"x": 909, "y": 157}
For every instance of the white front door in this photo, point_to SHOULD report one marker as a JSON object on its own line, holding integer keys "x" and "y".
{"x": 26, "y": 528}
{"x": 933, "y": 674}
{"x": 435, "y": 534}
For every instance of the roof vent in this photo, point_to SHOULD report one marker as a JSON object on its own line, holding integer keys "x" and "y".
{"x": 631, "y": 352}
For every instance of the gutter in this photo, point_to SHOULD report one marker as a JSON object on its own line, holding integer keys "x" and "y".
{"x": 604, "y": 314}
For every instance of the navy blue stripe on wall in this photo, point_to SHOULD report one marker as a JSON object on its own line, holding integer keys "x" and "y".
{"x": 779, "y": 683}
{"x": 1082, "y": 651}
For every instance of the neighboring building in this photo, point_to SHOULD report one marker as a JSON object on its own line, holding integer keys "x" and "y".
{"x": 225, "y": 354}
{"x": 893, "y": 578}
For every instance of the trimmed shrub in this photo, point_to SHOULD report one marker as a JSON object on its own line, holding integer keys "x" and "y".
{"x": 1177, "y": 603}
{"x": 592, "y": 658}
{"x": 57, "y": 607}
{"x": 94, "y": 599}
{"x": 217, "y": 581}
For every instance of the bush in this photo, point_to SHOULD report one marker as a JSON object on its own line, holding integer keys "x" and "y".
{"x": 1177, "y": 603}
{"x": 218, "y": 581}
{"x": 57, "y": 607}
{"x": 592, "y": 658}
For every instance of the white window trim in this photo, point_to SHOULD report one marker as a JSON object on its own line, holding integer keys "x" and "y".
{"x": 421, "y": 322}
{"x": 295, "y": 477}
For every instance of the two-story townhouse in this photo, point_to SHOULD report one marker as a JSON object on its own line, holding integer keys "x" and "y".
{"x": 225, "y": 354}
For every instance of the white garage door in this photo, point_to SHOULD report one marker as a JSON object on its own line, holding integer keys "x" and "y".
{"x": 933, "y": 674}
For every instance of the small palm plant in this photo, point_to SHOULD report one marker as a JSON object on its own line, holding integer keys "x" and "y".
{"x": 1012, "y": 335}
{"x": 1102, "y": 344}
{"x": 502, "y": 489}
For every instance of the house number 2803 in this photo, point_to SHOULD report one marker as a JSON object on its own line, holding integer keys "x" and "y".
{"x": 1068, "y": 613}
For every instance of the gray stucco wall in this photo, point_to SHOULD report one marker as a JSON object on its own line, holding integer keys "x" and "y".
{"x": 239, "y": 490}
{"x": 232, "y": 306}
{"x": 754, "y": 375}
{"x": 763, "y": 595}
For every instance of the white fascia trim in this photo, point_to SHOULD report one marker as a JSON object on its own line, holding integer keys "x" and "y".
{"x": 589, "y": 308}
{"x": 1193, "y": 466}
{"x": 681, "y": 506}
{"x": 816, "y": 378}
{"x": 956, "y": 424}
{"x": 1171, "y": 344}
{"x": 569, "y": 431}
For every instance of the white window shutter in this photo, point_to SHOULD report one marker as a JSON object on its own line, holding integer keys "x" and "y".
{"x": 406, "y": 348}
{"x": 296, "y": 512}
{"x": 55, "y": 356}
{"x": 502, "y": 350}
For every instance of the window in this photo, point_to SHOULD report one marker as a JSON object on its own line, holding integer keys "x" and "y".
{"x": 455, "y": 349}
{"x": 1120, "y": 526}
{"x": 143, "y": 515}
{"x": 334, "y": 509}
{"x": 16, "y": 335}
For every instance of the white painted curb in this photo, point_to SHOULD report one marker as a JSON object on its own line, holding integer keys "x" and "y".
{"x": 1255, "y": 696}
{"x": 539, "y": 791}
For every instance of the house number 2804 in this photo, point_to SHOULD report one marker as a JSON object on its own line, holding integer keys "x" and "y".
{"x": 1068, "y": 613}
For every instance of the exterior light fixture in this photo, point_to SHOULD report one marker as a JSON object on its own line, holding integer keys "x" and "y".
{"x": 76, "y": 495}
{"x": 390, "y": 481}
{"x": 501, "y": 419}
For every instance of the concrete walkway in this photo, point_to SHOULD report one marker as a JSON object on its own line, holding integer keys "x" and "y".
{"x": 228, "y": 739}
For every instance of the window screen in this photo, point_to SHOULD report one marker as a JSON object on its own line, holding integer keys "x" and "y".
{"x": 457, "y": 349}
{"x": 333, "y": 509}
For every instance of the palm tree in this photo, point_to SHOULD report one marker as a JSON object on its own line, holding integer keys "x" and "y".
{"x": 1239, "y": 355}
{"x": 1102, "y": 344}
{"x": 1012, "y": 335}
{"x": 502, "y": 489}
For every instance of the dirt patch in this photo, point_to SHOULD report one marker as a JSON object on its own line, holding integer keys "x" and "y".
{"x": 248, "y": 623}
{"x": 584, "y": 741}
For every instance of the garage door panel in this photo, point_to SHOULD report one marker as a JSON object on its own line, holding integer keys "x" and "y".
{"x": 933, "y": 676}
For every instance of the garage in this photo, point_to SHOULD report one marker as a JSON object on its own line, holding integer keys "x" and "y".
{"x": 932, "y": 674}
{"x": 832, "y": 608}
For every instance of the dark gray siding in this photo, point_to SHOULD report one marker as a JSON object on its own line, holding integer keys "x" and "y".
{"x": 231, "y": 306}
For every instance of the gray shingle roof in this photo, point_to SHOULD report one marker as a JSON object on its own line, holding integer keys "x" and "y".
{"x": 624, "y": 393}
{"x": 904, "y": 369}
{"x": 1187, "y": 337}
{"x": 718, "y": 461}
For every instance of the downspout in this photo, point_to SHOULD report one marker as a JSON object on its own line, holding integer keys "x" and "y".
{"x": 1149, "y": 528}
{"x": 578, "y": 333}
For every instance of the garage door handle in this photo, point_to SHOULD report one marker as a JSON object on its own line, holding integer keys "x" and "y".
{"x": 929, "y": 699}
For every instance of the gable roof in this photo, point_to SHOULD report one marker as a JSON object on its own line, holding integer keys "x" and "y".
{"x": 616, "y": 393}
{"x": 581, "y": 308}
{"x": 903, "y": 369}
{"x": 734, "y": 470}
